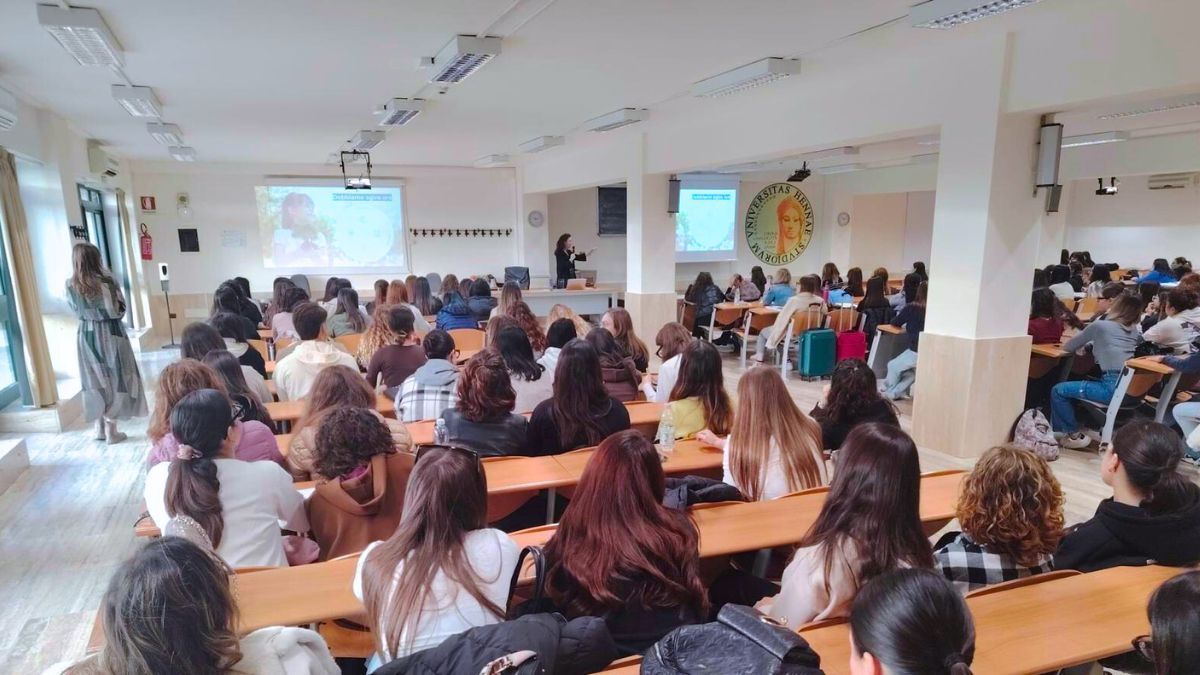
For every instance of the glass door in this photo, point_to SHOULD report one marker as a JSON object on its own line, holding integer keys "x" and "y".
{"x": 13, "y": 381}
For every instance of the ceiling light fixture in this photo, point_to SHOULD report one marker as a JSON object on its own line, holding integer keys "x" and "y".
{"x": 1095, "y": 139}
{"x": 746, "y": 77}
{"x": 461, "y": 57}
{"x": 832, "y": 153}
{"x": 1107, "y": 191}
{"x": 167, "y": 134}
{"x": 83, "y": 33}
{"x": 800, "y": 175}
{"x": 617, "y": 119}
{"x": 952, "y": 13}
{"x": 399, "y": 111}
{"x": 365, "y": 140}
{"x": 137, "y": 101}
{"x": 491, "y": 160}
{"x": 541, "y": 143}
{"x": 8, "y": 110}
{"x": 928, "y": 158}
{"x": 841, "y": 168}
{"x": 1189, "y": 101}
{"x": 182, "y": 153}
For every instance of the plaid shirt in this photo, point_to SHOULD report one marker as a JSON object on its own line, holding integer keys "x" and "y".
{"x": 416, "y": 402}
{"x": 969, "y": 566}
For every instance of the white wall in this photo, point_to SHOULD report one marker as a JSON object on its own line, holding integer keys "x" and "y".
{"x": 1136, "y": 225}
{"x": 222, "y": 197}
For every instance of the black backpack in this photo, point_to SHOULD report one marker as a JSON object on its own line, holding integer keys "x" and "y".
{"x": 741, "y": 641}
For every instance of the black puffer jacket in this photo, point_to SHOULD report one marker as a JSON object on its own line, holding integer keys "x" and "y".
{"x": 562, "y": 647}
{"x": 684, "y": 492}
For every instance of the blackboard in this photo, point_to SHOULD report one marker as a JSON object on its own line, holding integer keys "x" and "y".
{"x": 611, "y": 210}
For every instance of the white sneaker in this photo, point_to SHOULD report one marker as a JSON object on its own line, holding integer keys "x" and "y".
{"x": 1092, "y": 434}
{"x": 1075, "y": 441}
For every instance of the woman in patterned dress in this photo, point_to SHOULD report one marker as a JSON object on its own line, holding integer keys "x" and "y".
{"x": 112, "y": 385}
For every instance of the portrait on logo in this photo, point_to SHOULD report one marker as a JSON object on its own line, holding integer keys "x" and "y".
{"x": 779, "y": 224}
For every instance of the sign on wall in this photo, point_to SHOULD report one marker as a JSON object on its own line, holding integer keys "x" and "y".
{"x": 147, "y": 204}
{"x": 779, "y": 224}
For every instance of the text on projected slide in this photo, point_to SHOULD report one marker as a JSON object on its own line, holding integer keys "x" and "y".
{"x": 330, "y": 228}
{"x": 706, "y": 220}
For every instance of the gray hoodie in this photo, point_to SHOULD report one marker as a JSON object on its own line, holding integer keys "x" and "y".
{"x": 436, "y": 373}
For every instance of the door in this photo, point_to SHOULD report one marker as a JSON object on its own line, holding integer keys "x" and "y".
{"x": 13, "y": 380}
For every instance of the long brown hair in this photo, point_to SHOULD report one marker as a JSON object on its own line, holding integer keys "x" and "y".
{"x": 609, "y": 537}
{"x": 510, "y": 294}
{"x": 397, "y": 293}
{"x": 580, "y": 399}
{"x": 445, "y": 500}
{"x": 485, "y": 391}
{"x": 89, "y": 271}
{"x": 168, "y": 609}
{"x": 766, "y": 413}
{"x": 529, "y": 323}
{"x": 873, "y": 507}
{"x": 335, "y": 387}
{"x": 671, "y": 340}
{"x": 1011, "y": 503}
{"x": 623, "y": 331}
{"x": 701, "y": 376}
{"x": 378, "y": 334}
{"x": 176, "y": 381}
{"x": 201, "y": 422}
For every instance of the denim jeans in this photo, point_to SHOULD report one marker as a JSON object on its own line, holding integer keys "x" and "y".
{"x": 901, "y": 373}
{"x": 1188, "y": 417}
{"x": 1062, "y": 411}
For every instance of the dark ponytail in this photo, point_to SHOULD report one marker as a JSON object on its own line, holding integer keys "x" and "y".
{"x": 200, "y": 423}
{"x": 913, "y": 621}
{"x": 1150, "y": 453}
{"x": 1174, "y": 612}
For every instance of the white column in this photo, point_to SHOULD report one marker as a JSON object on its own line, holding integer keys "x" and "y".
{"x": 533, "y": 243}
{"x": 650, "y": 252}
{"x": 974, "y": 356}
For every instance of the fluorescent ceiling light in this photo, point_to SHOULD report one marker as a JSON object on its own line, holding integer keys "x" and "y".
{"x": 541, "y": 143}
{"x": 399, "y": 111}
{"x": 617, "y": 119}
{"x": 137, "y": 101}
{"x": 951, "y": 13}
{"x": 929, "y": 140}
{"x": 182, "y": 153}
{"x": 746, "y": 77}
{"x": 367, "y": 139}
{"x": 1178, "y": 103}
{"x": 8, "y": 110}
{"x": 1095, "y": 139}
{"x": 841, "y": 168}
{"x": 167, "y": 134}
{"x": 929, "y": 158}
{"x": 83, "y": 33}
{"x": 462, "y": 56}
{"x": 831, "y": 153}
{"x": 491, "y": 160}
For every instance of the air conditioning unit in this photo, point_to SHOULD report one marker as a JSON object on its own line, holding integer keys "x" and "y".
{"x": 8, "y": 110}
{"x": 1171, "y": 181}
{"x": 100, "y": 163}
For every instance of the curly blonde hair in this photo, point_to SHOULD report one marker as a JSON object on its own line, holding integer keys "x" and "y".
{"x": 1012, "y": 504}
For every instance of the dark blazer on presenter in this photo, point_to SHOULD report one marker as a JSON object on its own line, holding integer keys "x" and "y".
{"x": 564, "y": 259}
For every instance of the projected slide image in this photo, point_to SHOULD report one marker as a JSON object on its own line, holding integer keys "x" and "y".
{"x": 329, "y": 228}
{"x": 705, "y": 221}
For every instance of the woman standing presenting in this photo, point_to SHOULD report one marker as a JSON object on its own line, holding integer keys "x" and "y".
{"x": 565, "y": 257}
{"x": 112, "y": 385}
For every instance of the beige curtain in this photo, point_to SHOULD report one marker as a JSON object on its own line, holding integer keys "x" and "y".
{"x": 24, "y": 284}
{"x": 133, "y": 260}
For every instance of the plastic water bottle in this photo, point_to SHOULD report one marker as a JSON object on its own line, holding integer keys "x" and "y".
{"x": 666, "y": 432}
{"x": 440, "y": 434}
{"x": 737, "y": 295}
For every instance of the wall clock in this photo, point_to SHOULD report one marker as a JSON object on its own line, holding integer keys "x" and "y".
{"x": 843, "y": 219}
{"x": 536, "y": 218}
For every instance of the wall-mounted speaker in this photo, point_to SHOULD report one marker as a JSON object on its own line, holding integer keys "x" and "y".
{"x": 1053, "y": 197}
{"x": 1049, "y": 152}
{"x": 673, "y": 195}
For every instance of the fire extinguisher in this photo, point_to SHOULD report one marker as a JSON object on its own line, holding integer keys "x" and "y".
{"x": 147, "y": 243}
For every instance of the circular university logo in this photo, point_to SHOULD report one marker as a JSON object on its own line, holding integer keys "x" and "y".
{"x": 779, "y": 224}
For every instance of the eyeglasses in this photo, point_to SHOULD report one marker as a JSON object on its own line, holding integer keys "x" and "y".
{"x": 424, "y": 449}
{"x": 238, "y": 412}
{"x": 1144, "y": 646}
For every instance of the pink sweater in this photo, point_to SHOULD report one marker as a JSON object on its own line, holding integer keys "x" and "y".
{"x": 257, "y": 444}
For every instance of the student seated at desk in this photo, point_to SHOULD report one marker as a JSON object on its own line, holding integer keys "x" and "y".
{"x": 226, "y": 325}
{"x": 704, "y": 294}
{"x": 908, "y": 291}
{"x": 1154, "y": 513}
{"x": 399, "y": 295}
{"x": 741, "y": 288}
{"x": 875, "y": 307}
{"x": 1113, "y": 341}
{"x": 1187, "y": 415}
{"x": 773, "y": 448}
{"x": 831, "y": 278}
{"x": 455, "y": 313}
{"x": 560, "y": 332}
{"x": 335, "y": 387}
{"x": 199, "y": 339}
{"x": 621, "y": 376}
{"x": 347, "y": 318}
{"x": 227, "y": 299}
{"x": 1172, "y": 645}
{"x": 854, "y": 282}
{"x": 238, "y": 504}
{"x": 247, "y": 401}
{"x": 758, "y": 279}
{"x": 910, "y": 621}
{"x": 780, "y": 290}
{"x": 443, "y": 571}
{"x": 393, "y": 363}
{"x": 295, "y": 373}
{"x": 433, "y": 388}
{"x": 1101, "y": 275}
{"x": 1076, "y": 277}
{"x": 902, "y": 370}
{"x": 621, "y": 555}
{"x": 869, "y": 524}
{"x": 581, "y": 413}
{"x": 530, "y": 379}
{"x": 377, "y": 336}
{"x": 1180, "y": 328}
{"x": 1045, "y": 323}
{"x": 510, "y": 294}
{"x": 483, "y": 419}
{"x": 381, "y": 289}
{"x": 363, "y": 502}
{"x": 525, "y": 319}
{"x": 620, "y": 324}
{"x": 275, "y": 305}
{"x": 253, "y": 442}
{"x": 1060, "y": 282}
{"x": 282, "y": 323}
{"x": 424, "y": 298}
{"x": 170, "y": 609}
{"x": 561, "y": 311}
{"x": 671, "y": 340}
{"x": 1110, "y": 292}
{"x": 249, "y": 307}
{"x": 851, "y": 398}
{"x": 1161, "y": 272}
{"x": 1011, "y": 514}
{"x": 698, "y": 399}
{"x": 481, "y": 303}
{"x": 808, "y": 297}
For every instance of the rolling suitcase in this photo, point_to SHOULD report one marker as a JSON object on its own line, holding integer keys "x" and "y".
{"x": 852, "y": 344}
{"x": 818, "y": 353}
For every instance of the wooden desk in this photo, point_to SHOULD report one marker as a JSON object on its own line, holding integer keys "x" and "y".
{"x": 465, "y": 354}
{"x": 1040, "y": 628}
{"x": 269, "y": 366}
{"x": 1143, "y": 363}
{"x": 290, "y": 411}
{"x": 1051, "y": 351}
{"x": 690, "y": 457}
{"x": 266, "y": 334}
